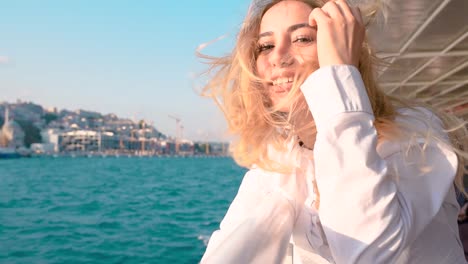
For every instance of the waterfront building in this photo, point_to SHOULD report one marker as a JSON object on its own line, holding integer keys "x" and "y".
{"x": 51, "y": 137}
{"x": 79, "y": 141}
{"x": 186, "y": 147}
{"x": 211, "y": 148}
{"x": 11, "y": 133}
{"x": 7, "y": 136}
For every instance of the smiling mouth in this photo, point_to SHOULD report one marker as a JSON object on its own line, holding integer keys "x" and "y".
{"x": 282, "y": 81}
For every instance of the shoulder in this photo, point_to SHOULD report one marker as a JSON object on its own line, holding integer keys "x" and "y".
{"x": 257, "y": 181}
{"x": 262, "y": 180}
{"x": 252, "y": 179}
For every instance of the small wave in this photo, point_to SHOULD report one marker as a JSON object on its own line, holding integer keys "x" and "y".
{"x": 205, "y": 239}
{"x": 109, "y": 225}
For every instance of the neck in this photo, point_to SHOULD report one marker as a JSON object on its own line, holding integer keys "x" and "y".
{"x": 304, "y": 128}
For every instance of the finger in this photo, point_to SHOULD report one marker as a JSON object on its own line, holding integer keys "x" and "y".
{"x": 350, "y": 12}
{"x": 333, "y": 10}
{"x": 357, "y": 14}
{"x": 345, "y": 9}
{"x": 318, "y": 16}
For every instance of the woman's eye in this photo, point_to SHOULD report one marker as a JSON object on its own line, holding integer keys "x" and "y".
{"x": 302, "y": 39}
{"x": 264, "y": 47}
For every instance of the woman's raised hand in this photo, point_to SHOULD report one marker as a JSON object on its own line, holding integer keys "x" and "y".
{"x": 340, "y": 33}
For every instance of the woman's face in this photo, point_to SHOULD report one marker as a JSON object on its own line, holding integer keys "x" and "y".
{"x": 285, "y": 42}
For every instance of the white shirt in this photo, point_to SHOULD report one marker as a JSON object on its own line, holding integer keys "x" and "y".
{"x": 380, "y": 202}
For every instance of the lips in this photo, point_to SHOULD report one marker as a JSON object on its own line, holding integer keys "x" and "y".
{"x": 282, "y": 88}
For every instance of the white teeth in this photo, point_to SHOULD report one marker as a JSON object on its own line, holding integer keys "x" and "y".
{"x": 280, "y": 81}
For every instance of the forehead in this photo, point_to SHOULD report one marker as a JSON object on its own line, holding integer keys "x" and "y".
{"x": 284, "y": 14}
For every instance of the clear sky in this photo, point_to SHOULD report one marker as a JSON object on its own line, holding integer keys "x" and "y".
{"x": 132, "y": 58}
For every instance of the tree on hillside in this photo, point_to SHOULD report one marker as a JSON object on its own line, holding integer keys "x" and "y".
{"x": 32, "y": 134}
{"x": 49, "y": 117}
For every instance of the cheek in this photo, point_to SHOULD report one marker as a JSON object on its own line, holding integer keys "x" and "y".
{"x": 261, "y": 67}
{"x": 307, "y": 55}
{"x": 312, "y": 55}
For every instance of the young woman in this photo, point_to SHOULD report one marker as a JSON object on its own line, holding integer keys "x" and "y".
{"x": 339, "y": 171}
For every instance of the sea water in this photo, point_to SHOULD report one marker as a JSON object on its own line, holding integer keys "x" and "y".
{"x": 112, "y": 210}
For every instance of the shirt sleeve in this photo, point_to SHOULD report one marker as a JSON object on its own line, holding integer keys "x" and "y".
{"x": 372, "y": 206}
{"x": 256, "y": 228}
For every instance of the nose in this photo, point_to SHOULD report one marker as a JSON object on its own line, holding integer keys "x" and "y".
{"x": 281, "y": 56}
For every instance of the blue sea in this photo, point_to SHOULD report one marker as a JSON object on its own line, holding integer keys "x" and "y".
{"x": 112, "y": 210}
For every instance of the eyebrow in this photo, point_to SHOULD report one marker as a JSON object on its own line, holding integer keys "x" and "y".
{"x": 289, "y": 30}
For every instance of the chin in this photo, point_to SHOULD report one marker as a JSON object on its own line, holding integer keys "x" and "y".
{"x": 282, "y": 107}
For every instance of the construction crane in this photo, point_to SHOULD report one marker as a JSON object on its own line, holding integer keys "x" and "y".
{"x": 179, "y": 131}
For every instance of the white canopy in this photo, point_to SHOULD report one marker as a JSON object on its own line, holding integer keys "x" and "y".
{"x": 425, "y": 43}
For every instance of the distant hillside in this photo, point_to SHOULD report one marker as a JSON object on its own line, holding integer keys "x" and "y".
{"x": 33, "y": 118}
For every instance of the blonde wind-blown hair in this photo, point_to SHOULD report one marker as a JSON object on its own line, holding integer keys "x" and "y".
{"x": 250, "y": 114}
